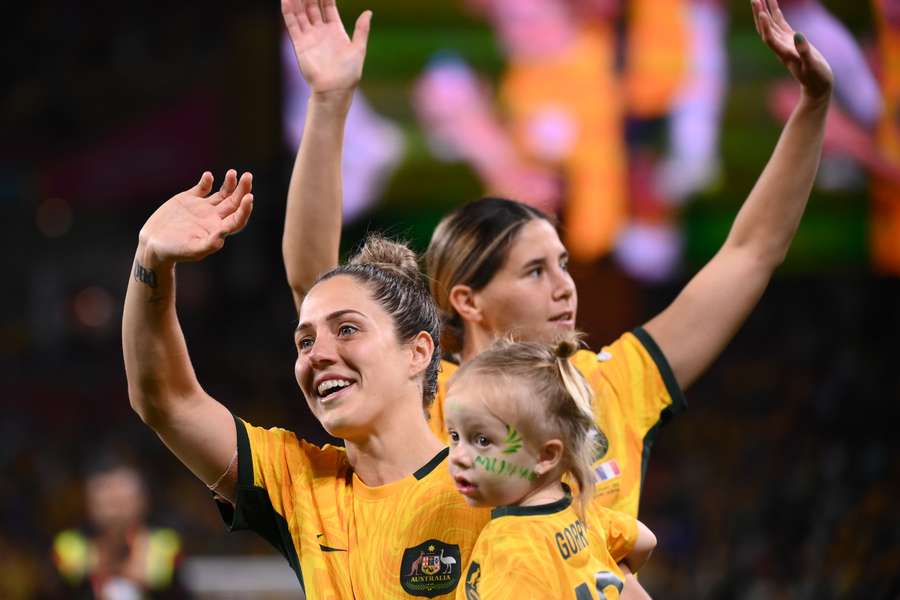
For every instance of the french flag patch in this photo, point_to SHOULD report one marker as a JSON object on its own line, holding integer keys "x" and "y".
{"x": 607, "y": 470}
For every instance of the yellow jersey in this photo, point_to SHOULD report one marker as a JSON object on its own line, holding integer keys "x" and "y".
{"x": 547, "y": 552}
{"x": 635, "y": 393}
{"x": 344, "y": 539}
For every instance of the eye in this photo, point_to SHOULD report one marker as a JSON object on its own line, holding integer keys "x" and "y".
{"x": 346, "y": 330}
{"x": 454, "y": 438}
{"x": 564, "y": 263}
{"x": 535, "y": 272}
{"x": 305, "y": 343}
{"x": 482, "y": 442}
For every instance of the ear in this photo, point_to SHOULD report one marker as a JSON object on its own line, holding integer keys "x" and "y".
{"x": 422, "y": 349}
{"x": 464, "y": 301}
{"x": 549, "y": 457}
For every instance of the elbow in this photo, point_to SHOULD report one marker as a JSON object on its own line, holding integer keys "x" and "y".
{"x": 143, "y": 406}
{"x": 643, "y": 547}
{"x": 150, "y": 404}
{"x": 299, "y": 279}
{"x": 646, "y": 540}
{"x": 762, "y": 257}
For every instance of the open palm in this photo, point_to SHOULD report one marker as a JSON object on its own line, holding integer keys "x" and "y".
{"x": 328, "y": 58}
{"x": 800, "y": 57}
{"x": 195, "y": 223}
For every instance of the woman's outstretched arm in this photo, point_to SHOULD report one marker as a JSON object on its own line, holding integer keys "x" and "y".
{"x": 695, "y": 328}
{"x": 331, "y": 63}
{"x": 162, "y": 386}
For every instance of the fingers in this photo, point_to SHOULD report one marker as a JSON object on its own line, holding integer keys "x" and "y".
{"x": 228, "y": 185}
{"x": 775, "y": 38}
{"x": 780, "y": 20}
{"x": 230, "y": 204}
{"x": 238, "y": 219}
{"x": 330, "y": 12}
{"x": 313, "y": 11}
{"x": 755, "y": 7}
{"x": 361, "y": 30}
{"x": 204, "y": 186}
{"x": 295, "y": 18}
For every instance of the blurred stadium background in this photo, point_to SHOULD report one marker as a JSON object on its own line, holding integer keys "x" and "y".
{"x": 781, "y": 481}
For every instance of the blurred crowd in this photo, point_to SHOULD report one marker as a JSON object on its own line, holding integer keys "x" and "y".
{"x": 608, "y": 113}
{"x": 782, "y": 478}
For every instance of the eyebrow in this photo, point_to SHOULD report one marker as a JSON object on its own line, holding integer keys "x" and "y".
{"x": 540, "y": 260}
{"x": 331, "y": 317}
{"x": 533, "y": 263}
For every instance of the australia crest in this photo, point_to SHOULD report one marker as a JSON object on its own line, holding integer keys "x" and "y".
{"x": 430, "y": 569}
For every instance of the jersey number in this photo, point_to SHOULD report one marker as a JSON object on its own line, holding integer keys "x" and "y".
{"x": 603, "y": 580}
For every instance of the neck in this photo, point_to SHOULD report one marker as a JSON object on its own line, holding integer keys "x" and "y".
{"x": 545, "y": 493}
{"x": 475, "y": 341}
{"x": 395, "y": 450}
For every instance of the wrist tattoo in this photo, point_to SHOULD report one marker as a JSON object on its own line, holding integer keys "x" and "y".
{"x": 144, "y": 275}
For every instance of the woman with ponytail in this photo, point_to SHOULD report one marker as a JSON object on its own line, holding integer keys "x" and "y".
{"x": 520, "y": 420}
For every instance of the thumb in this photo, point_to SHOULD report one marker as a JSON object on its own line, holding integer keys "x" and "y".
{"x": 802, "y": 46}
{"x": 361, "y": 31}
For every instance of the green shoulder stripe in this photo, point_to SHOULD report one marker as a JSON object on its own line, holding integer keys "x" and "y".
{"x": 679, "y": 402}
{"x": 253, "y": 508}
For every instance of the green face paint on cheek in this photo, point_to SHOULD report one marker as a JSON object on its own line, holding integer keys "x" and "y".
{"x": 504, "y": 468}
{"x": 512, "y": 443}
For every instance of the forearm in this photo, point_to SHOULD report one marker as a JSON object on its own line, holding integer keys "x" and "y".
{"x": 312, "y": 229}
{"x": 769, "y": 218}
{"x": 632, "y": 590}
{"x": 157, "y": 365}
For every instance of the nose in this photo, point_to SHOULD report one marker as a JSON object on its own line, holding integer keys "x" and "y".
{"x": 563, "y": 285}
{"x": 322, "y": 353}
{"x": 459, "y": 456}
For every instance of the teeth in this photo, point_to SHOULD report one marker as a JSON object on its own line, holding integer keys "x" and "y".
{"x": 330, "y": 384}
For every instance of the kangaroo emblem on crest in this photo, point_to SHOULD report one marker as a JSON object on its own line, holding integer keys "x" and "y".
{"x": 414, "y": 567}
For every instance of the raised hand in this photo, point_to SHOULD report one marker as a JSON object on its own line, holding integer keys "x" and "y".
{"x": 195, "y": 223}
{"x": 800, "y": 57}
{"x": 329, "y": 60}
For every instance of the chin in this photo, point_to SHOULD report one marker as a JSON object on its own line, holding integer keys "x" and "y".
{"x": 338, "y": 425}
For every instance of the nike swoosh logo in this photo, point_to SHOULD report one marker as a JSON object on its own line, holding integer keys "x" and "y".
{"x": 328, "y": 548}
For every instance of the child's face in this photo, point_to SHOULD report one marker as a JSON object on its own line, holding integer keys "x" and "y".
{"x": 490, "y": 462}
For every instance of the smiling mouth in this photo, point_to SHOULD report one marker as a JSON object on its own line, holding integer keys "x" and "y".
{"x": 331, "y": 388}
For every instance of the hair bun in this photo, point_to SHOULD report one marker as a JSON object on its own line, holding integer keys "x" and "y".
{"x": 381, "y": 252}
{"x": 567, "y": 346}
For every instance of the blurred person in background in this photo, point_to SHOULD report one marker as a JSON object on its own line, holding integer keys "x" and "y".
{"x": 885, "y": 222}
{"x": 558, "y": 141}
{"x": 118, "y": 555}
{"x": 863, "y": 128}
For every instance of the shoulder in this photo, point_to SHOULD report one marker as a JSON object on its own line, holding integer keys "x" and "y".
{"x": 267, "y": 456}
{"x": 277, "y": 441}
{"x": 71, "y": 553}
